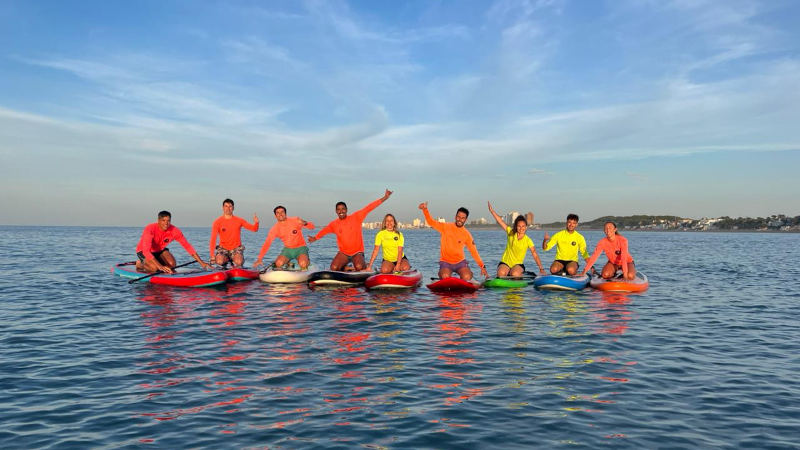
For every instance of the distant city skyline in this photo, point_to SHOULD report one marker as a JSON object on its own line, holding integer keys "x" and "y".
{"x": 112, "y": 111}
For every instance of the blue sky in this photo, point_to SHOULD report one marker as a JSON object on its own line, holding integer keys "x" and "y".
{"x": 111, "y": 111}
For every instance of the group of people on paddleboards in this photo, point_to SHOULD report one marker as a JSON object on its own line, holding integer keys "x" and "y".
{"x": 225, "y": 246}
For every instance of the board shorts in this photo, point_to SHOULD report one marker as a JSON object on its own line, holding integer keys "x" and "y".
{"x": 156, "y": 255}
{"x": 350, "y": 257}
{"x": 293, "y": 253}
{"x": 229, "y": 253}
{"x": 501, "y": 263}
{"x": 453, "y": 267}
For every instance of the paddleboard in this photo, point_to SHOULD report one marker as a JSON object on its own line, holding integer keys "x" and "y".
{"x": 639, "y": 283}
{"x": 507, "y": 282}
{"x": 561, "y": 283}
{"x": 184, "y": 277}
{"x": 454, "y": 284}
{"x": 241, "y": 274}
{"x": 290, "y": 275}
{"x": 396, "y": 280}
{"x": 337, "y": 278}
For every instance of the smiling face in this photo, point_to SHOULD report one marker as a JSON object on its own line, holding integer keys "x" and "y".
{"x": 164, "y": 222}
{"x": 610, "y": 230}
{"x": 390, "y": 223}
{"x": 341, "y": 211}
{"x": 227, "y": 209}
{"x": 571, "y": 225}
{"x": 520, "y": 227}
{"x": 280, "y": 214}
{"x": 461, "y": 219}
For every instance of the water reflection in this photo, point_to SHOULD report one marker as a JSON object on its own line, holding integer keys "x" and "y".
{"x": 589, "y": 374}
{"x": 181, "y": 321}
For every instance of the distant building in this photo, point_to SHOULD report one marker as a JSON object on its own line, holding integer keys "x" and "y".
{"x": 529, "y": 218}
{"x": 416, "y": 223}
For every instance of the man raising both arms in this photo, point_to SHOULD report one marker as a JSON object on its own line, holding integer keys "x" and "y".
{"x": 229, "y": 229}
{"x": 290, "y": 231}
{"x": 454, "y": 238}
{"x": 152, "y": 251}
{"x": 348, "y": 234}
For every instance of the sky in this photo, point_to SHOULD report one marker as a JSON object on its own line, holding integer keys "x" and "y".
{"x": 113, "y": 111}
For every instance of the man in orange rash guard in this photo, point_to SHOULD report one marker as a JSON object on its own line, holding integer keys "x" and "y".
{"x": 290, "y": 231}
{"x": 229, "y": 229}
{"x": 454, "y": 238}
{"x": 152, "y": 251}
{"x": 348, "y": 234}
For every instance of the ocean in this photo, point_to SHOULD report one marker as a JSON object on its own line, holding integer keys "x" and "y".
{"x": 707, "y": 357}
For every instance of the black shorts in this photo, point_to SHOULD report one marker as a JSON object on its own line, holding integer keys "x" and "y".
{"x": 393, "y": 262}
{"x": 157, "y": 255}
{"x": 565, "y": 262}
{"x": 511, "y": 267}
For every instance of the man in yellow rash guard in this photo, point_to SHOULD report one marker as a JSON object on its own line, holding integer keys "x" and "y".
{"x": 569, "y": 243}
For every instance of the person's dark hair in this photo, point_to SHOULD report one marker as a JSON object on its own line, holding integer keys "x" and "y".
{"x": 341, "y": 203}
{"x": 572, "y": 217}
{"x": 464, "y": 210}
{"x": 227, "y": 200}
{"x": 162, "y": 214}
{"x": 520, "y": 219}
{"x": 275, "y": 209}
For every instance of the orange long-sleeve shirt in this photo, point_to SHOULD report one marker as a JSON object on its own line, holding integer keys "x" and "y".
{"x": 154, "y": 239}
{"x": 616, "y": 251}
{"x": 348, "y": 230}
{"x": 290, "y": 231}
{"x": 229, "y": 230}
{"x": 453, "y": 241}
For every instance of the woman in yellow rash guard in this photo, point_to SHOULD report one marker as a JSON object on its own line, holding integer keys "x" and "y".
{"x": 511, "y": 264}
{"x": 394, "y": 259}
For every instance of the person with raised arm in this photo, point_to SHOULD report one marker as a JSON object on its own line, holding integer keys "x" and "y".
{"x": 392, "y": 241}
{"x": 616, "y": 248}
{"x": 517, "y": 245}
{"x": 348, "y": 234}
{"x": 570, "y": 243}
{"x": 229, "y": 229}
{"x": 290, "y": 231}
{"x": 454, "y": 237}
{"x": 152, "y": 251}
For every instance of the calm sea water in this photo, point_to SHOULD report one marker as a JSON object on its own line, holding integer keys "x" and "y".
{"x": 707, "y": 357}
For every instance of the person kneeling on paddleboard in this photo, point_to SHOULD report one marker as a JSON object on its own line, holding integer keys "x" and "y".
{"x": 570, "y": 243}
{"x": 394, "y": 259}
{"x": 290, "y": 231}
{"x": 152, "y": 251}
{"x": 229, "y": 229}
{"x": 517, "y": 245}
{"x": 348, "y": 234}
{"x": 454, "y": 238}
{"x": 616, "y": 248}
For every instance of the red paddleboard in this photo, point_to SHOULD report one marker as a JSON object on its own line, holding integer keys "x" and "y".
{"x": 407, "y": 279}
{"x": 241, "y": 274}
{"x": 454, "y": 284}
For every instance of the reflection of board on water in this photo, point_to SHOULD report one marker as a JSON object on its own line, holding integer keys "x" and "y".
{"x": 561, "y": 282}
{"x": 337, "y": 278}
{"x": 639, "y": 283}
{"x": 454, "y": 284}
{"x": 396, "y": 280}
{"x": 293, "y": 274}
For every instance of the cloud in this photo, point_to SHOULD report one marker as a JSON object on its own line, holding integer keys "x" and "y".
{"x": 536, "y": 171}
